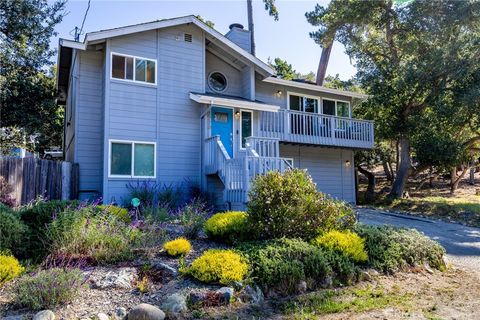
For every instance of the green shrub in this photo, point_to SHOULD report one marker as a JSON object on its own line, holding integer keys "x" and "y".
{"x": 10, "y": 268}
{"x": 179, "y": 246}
{"x": 282, "y": 264}
{"x": 83, "y": 233}
{"x": 227, "y": 226}
{"x": 119, "y": 212}
{"x": 48, "y": 288}
{"x": 192, "y": 216}
{"x": 37, "y": 216}
{"x": 346, "y": 242}
{"x": 222, "y": 266}
{"x": 12, "y": 232}
{"x": 289, "y": 205}
{"x": 390, "y": 249}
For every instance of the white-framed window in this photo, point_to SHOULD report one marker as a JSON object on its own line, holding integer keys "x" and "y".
{"x": 132, "y": 159}
{"x": 217, "y": 81}
{"x": 303, "y": 103}
{"x": 337, "y": 108}
{"x": 132, "y": 68}
{"x": 246, "y": 126}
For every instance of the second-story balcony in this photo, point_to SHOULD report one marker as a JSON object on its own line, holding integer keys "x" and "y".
{"x": 316, "y": 129}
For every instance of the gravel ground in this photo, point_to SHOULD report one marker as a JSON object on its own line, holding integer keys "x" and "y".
{"x": 461, "y": 243}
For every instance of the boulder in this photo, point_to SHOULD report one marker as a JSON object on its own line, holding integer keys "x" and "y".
{"x": 226, "y": 294}
{"x": 19, "y": 317}
{"x": 302, "y": 286}
{"x": 102, "y": 316}
{"x": 44, "y": 315}
{"x": 174, "y": 304}
{"x": 120, "y": 313}
{"x": 364, "y": 276}
{"x": 252, "y": 294}
{"x": 197, "y": 297}
{"x": 146, "y": 311}
{"x": 121, "y": 278}
{"x": 166, "y": 269}
{"x": 327, "y": 282}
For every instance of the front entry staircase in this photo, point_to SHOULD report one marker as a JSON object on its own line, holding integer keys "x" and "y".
{"x": 262, "y": 155}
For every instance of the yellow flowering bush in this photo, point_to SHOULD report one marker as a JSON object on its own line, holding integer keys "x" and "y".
{"x": 227, "y": 226}
{"x": 347, "y": 242}
{"x": 120, "y": 213}
{"x": 179, "y": 246}
{"x": 215, "y": 265}
{"x": 10, "y": 268}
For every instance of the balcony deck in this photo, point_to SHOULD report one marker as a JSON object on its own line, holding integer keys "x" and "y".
{"x": 316, "y": 129}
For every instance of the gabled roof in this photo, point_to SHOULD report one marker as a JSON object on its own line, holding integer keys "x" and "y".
{"x": 213, "y": 35}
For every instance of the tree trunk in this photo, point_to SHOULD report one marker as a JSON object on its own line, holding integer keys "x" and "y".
{"x": 251, "y": 27}
{"x": 370, "y": 194}
{"x": 388, "y": 171}
{"x": 471, "y": 179}
{"x": 323, "y": 64}
{"x": 456, "y": 182}
{"x": 403, "y": 171}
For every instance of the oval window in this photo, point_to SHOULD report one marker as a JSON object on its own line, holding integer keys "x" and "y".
{"x": 217, "y": 82}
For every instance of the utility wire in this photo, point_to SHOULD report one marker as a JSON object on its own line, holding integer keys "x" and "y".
{"x": 77, "y": 37}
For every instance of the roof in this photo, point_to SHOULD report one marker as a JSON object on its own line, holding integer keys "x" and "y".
{"x": 212, "y": 34}
{"x": 314, "y": 87}
{"x": 230, "y": 101}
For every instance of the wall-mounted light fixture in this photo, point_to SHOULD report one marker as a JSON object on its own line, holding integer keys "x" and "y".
{"x": 279, "y": 92}
{"x": 237, "y": 115}
{"x": 348, "y": 164}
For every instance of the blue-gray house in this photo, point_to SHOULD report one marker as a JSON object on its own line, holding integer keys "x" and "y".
{"x": 174, "y": 99}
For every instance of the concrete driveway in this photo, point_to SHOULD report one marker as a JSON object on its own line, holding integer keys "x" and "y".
{"x": 461, "y": 243}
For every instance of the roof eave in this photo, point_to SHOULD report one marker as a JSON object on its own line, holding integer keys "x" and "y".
{"x": 250, "y": 105}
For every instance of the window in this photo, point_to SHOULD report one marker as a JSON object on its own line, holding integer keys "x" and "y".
{"x": 336, "y": 108}
{"x": 304, "y": 104}
{"x": 246, "y": 126}
{"x": 133, "y": 68}
{"x": 217, "y": 82}
{"x": 132, "y": 159}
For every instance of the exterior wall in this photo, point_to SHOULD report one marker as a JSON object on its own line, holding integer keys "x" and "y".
{"x": 267, "y": 92}
{"x": 235, "y": 85}
{"x": 88, "y": 122}
{"x": 162, "y": 113}
{"x": 328, "y": 168}
{"x": 240, "y": 37}
{"x": 70, "y": 110}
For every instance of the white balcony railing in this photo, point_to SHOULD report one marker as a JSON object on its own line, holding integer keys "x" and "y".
{"x": 317, "y": 129}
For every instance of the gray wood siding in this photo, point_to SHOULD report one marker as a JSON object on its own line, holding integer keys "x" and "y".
{"x": 267, "y": 92}
{"x": 89, "y": 122}
{"x": 234, "y": 76}
{"x": 327, "y": 166}
{"x": 163, "y": 113}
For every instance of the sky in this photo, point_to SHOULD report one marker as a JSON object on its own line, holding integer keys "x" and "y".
{"x": 287, "y": 38}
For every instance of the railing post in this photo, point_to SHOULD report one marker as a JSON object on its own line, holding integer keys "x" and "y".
{"x": 246, "y": 177}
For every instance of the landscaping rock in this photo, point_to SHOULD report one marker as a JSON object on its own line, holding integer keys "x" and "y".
{"x": 197, "y": 297}
{"x": 373, "y": 273}
{"x": 364, "y": 276}
{"x": 20, "y": 317}
{"x": 226, "y": 294}
{"x": 120, "y": 313}
{"x": 237, "y": 285}
{"x": 146, "y": 311}
{"x": 252, "y": 294}
{"x": 44, "y": 315}
{"x": 174, "y": 304}
{"x": 121, "y": 278}
{"x": 168, "y": 270}
{"x": 327, "y": 282}
{"x": 302, "y": 286}
{"x": 102, "y": 316}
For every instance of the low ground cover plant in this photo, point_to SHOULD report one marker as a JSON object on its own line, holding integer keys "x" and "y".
{"x": 121, "y": 213}
{"x": 289, "y": 205}
{"x": 227, "y": 226}
{"x": 218, "y": 266}
{"x": 177, "y": 247}
{"x": 48, "y": 288}
{"x": 13, "y": 232}
{"x": 10, "y": 268}
{"x": 391, "y": 249}
{"x": 192, "y": 216}
{"x": 346, "y": 242}
{"x": 282, "y": 264}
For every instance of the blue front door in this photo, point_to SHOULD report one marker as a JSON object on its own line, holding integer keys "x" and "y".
{"x": 222, "y": 125}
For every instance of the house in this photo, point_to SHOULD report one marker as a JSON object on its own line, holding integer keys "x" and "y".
{"x": 174, "y": 99}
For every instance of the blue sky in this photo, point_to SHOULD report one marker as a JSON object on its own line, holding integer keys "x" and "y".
{"x": 287, "y": 38}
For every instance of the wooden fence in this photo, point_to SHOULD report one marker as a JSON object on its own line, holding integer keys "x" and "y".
{"x": 32, "y": 178}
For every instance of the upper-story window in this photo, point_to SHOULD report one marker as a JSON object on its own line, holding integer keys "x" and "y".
{"x": 303, "y": 103}
{"x": 217, "y": 81}
{"x": 133, "y": 68}
{"x": 336, "y": 108}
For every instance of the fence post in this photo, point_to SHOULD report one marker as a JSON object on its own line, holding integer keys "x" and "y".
{"x": 66, "y": 180}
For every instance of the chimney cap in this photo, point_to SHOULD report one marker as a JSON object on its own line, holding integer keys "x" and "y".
{"x": 236, "y": 25}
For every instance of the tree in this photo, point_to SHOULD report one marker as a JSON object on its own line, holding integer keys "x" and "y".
{"x": 27, "y": 94}
{"x": 408, "y": 57}
{"x": 286, "y": 71}
{"x": 272, "y": 11}
{"x": 207, "y": 22}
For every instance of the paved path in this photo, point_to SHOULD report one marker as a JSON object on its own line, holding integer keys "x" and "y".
{"x": 461, "y": 243}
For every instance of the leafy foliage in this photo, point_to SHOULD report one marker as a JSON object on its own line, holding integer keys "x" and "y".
{"x": 12, "y": 232}
{"x": 121, "y": 213}
{"x": 286, "y": 71}
{"x": 346, "y": 242}
{"x": 282, "y": 264}
{"x": 289, "y": 205}
{"x": 223, "y": 266}
{"x": 227, "y": 226}
{"x": 192, "y": 216}
{"x": 10, "y": 268}
{"x": 179, "y": 246}
{"x": 5, "y": 192}
{"x": 391, "y": 249}
{"x": 48, "y": 288}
